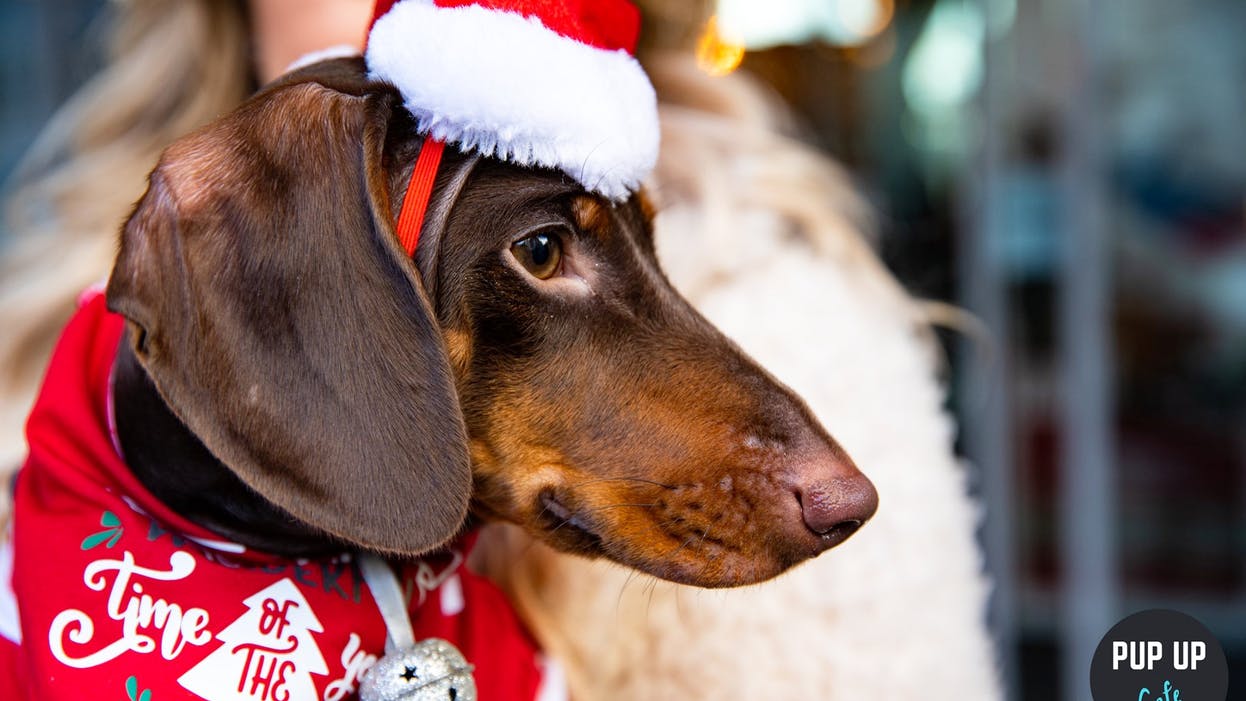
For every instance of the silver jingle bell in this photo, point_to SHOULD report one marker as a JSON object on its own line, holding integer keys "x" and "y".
{"x": 433, "y": 670}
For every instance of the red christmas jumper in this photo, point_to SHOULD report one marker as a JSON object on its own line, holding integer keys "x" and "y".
{"x": 113, "y": 596}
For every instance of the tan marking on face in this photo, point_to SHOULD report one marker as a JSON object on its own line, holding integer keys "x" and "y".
{"x": 590, "y": 214}
{"x": 647, "y": 206}
{"x": 459, "y": 350}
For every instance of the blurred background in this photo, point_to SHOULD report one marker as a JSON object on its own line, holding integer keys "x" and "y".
{"x": 1070, "y": 172}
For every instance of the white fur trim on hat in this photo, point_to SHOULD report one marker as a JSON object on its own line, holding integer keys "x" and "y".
{"x": 508, "y": 87}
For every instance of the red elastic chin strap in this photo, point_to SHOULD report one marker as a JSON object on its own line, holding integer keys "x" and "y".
{"x": 419, "y": 191}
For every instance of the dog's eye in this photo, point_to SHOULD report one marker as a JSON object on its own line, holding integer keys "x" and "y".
{"x": 539, "y": 254}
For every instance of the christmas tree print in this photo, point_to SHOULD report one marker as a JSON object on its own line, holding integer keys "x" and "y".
{"x": 267, "y": 654}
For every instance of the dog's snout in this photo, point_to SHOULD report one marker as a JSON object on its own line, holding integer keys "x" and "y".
{"x": 834, "y": 500}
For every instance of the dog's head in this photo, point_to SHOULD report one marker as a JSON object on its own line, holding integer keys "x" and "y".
{"x": 532, "y": 362}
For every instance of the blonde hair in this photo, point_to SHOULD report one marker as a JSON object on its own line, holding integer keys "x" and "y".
{"x": 173, "y": 65}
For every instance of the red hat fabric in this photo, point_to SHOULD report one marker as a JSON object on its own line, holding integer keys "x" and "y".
{"x": 605, "y": 24}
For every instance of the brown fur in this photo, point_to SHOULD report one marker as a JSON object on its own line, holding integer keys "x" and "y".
{"x": 320, "y": 375}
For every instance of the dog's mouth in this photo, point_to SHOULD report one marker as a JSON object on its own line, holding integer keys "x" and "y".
{"x": 569, "y": 529}
{"x": 671, "y": 551}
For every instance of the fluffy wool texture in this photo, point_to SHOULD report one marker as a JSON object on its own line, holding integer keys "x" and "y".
{"x": 760, "y": 235}
{"x": 507, "y": 87}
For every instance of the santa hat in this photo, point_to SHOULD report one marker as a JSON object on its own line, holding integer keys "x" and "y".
{"x": 549, "y": 83}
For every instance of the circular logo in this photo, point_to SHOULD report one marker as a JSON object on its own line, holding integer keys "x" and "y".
{"x": 1159, "y": 655}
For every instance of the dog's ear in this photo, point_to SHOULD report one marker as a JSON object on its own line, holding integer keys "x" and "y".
{"x": 271, "y": 304}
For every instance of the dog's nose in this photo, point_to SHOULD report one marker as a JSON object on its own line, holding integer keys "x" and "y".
{"x": 835, "y": 499}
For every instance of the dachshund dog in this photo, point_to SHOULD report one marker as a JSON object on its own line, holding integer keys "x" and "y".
{"x": 288, "y": 383}
{"x": 293, "y": 382}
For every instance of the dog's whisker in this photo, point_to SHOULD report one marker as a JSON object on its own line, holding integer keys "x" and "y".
{"x": 706, "y": 565}
{"x": 622, "y": 479}
{"x": 653, "y": 587}
{"x": 704, "y": 532}
{"x": 605, "y": 174}
{"x": 618, "y": 604}
{"x": 676, "y": 550}
{"x": 615, "y": 506}
{"x": 584, "y": 163}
